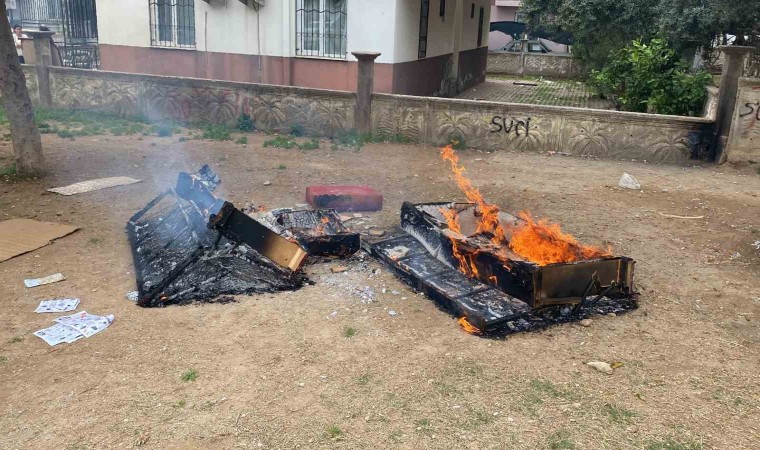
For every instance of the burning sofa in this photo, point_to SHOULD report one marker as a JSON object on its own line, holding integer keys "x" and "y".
{"x": 499, "y": 271}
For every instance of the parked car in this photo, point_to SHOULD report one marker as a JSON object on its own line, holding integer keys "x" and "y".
{"x": 532, "y": 46}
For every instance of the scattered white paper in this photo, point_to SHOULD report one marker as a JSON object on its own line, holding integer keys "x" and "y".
{"x": 44, "y": 280}
{"x": 74, "y": 327}
{"x": 58, "y": 334}
{"x": 85, "y": 323}
{"x": 58, "y": 305}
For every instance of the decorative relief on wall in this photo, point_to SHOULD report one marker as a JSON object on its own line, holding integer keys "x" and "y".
{"x": 76, "y": 92}
{"x": 120, "y": 97}
{"x": 437, "y": 122}
{"x": 507, "y": 63}
{"x": 218, "y": 106}
{"x": 161, "y": 101}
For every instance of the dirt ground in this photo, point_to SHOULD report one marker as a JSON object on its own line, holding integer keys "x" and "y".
{"x": 278, "y": 371}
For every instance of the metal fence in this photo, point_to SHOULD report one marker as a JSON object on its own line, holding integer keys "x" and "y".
{"x": 172, "y": 23}
{"x": 75, "y": 23}
{"x": 321, "y": 28}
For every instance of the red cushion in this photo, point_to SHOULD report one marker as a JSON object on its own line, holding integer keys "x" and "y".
{"x": 344, "y": 198}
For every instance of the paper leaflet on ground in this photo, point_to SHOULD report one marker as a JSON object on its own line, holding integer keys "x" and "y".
{"x": 85, "y": 323}
{"x": 58, "y": 334}
{"x": 73, "y": 327}
{"x": 94, "y": 185}
{"x": 44, "y": 280}
{"x": 58, "y": 305}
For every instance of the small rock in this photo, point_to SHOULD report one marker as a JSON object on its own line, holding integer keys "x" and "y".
{"x": 601, "y": 366}
{"x": 392, "y": 313}
{"x": 345, "y": 218}
{"x": 338, "y": 269}
{"x": 586, "y": 322}
{"x": 629, "y": 182}
{"x": 377, "y": 233}
{"x": 132, "y": 296}
{"x": 267, "y": 183}
{"x": 611, "y": 315}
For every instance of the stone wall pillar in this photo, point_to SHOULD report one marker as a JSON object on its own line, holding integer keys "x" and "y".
{"x": 364, "y": 85}
{"x": 43, "y": 59}
{"x": 523, "y": 51}
{"x": 733, "y": 66}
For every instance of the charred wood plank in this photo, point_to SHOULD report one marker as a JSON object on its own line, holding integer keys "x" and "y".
{"x": 239, "y": 227}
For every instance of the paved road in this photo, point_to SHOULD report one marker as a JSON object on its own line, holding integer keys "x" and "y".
{"x": 537, "y": 92}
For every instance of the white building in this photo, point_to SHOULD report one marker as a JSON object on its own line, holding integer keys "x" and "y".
{"x": 424, "y": 43}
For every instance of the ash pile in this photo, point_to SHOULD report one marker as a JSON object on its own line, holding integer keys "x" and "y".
{"x": 188, "y": 245}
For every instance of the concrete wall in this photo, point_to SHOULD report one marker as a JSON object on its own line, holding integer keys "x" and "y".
{"x": 744, "y": 139}
{"x": 547, "y": 64}
{"x": 576, "y": 131}
{"x": 320, "y": 112}
{"x": 484, "y": 125}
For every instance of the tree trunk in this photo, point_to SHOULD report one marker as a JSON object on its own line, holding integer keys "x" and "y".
{"x": 27, "y": 144}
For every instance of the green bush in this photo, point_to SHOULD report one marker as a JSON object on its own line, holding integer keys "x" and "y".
{"x": 245, "y": 123}
{"x": 217, "y": 133}
{"x": 297, "y": 130}
{"x": 164, "y": 130}
{"x": 651, "y": 78}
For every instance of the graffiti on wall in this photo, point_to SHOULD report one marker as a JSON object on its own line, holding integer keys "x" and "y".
{"x": 749, "y": 116}
{"x": 508, "y": 125}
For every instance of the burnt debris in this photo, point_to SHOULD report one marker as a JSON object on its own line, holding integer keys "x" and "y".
{"x": 320, "y": 232}
{"x": 189, "y": 245}
{"x": 504, "y": 296}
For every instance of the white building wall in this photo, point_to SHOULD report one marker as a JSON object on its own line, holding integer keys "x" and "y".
{"x": 390, "y": 27}
{"x": 470, "y": 24}
{"x": 123, "y": 23}
{"x": 372, "y": 27}
{"x": 440, "y": 29}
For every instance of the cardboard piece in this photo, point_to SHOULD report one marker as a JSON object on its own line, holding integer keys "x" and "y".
{"x": 93, "y": 185}
{"x": 19, "y": 236}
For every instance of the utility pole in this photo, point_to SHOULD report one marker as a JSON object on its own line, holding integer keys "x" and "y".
{"x": 27, "y": 144}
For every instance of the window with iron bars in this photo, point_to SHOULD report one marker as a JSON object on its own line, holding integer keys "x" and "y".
{"x": 321, "y": 28}
{"x": 172, "y": 23}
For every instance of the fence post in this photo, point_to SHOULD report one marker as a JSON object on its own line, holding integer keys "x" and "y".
{"x": 733, "y": 65}
{"x": 523, "y": 49}
{"x": 364, "y": 85}
{"x": 43, "y": 59}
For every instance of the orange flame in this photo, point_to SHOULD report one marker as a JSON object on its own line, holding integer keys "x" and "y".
{"x": 466, "y": 260}
{"x": 321, "y": 227}
{"x": 545, "y": 243}
{"x": 540, "y": 242}
{"x": 489, "y": 213}
{"x": 468, "y": 327}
